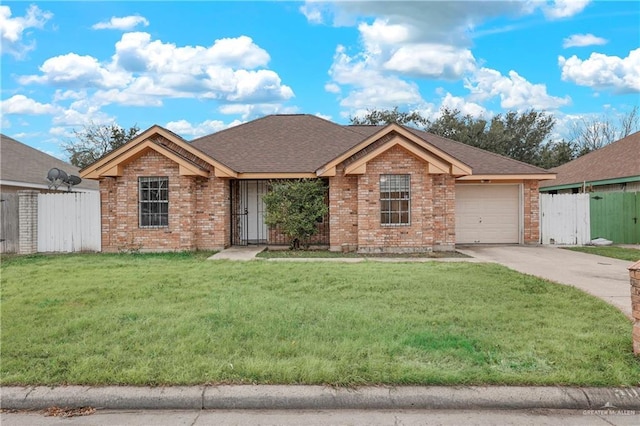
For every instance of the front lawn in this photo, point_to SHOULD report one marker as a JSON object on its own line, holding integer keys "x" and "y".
{"x": 621, "y": 253}
{"x": 168, "y": 319}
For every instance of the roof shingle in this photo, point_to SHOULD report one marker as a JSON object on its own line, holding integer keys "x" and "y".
{"x": 279, "y": 143}
{"x": 22, "y": 163}
{"x": 617, "y": 160}
{"x": 303, "y": 143}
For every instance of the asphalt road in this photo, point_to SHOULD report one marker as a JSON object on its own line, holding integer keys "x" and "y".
{"x": 332, "y": 417}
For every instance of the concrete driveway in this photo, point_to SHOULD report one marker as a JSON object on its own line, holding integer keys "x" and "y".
{"x": 603, "y": 277}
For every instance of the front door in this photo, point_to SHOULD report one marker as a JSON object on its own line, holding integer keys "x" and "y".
{"x": 247, "y": 212}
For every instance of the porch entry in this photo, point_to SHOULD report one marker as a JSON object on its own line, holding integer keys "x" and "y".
{"x": 247, "y": 212}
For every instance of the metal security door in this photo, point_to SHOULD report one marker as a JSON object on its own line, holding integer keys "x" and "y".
{"x": 247, "y": 212}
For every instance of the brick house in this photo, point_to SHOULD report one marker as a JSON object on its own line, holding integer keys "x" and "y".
{"x": 390, "y": 188}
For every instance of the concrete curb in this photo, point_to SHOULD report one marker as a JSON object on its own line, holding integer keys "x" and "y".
{"x": 254, "y": 397}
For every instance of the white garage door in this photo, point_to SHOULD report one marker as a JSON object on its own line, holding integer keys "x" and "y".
{"x": 487, "y": 214}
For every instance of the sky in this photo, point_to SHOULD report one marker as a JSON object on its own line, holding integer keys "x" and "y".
{"x": 200, "y": 67}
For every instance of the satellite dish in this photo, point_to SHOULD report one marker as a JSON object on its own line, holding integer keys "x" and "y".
{"x": 53, "y": 174}
{"x": 74, "y": 180}
{"x": 57, "y": 177}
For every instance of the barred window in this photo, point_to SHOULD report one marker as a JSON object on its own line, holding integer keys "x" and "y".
{"x": 395, "y": 199}
{"x": 153, "y": 201}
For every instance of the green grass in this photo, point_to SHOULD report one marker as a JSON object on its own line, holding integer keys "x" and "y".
{"x": 621, "y": 253}
{"x": 315, "y": 254}
{"x": 176, "y": 319}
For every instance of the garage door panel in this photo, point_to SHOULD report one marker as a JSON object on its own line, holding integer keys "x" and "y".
{"x": 487, "y": 214}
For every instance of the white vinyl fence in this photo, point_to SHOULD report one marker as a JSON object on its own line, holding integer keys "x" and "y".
{"x": 564, "y": 219}
{"x": 69, "y": 222}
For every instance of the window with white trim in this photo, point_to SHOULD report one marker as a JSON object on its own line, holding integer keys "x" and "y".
{"x": 395, "y": 199}
{"x": 153, "y": 201}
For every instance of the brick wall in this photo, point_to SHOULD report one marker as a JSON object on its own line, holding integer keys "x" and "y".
{"x": 355, "y": 208}
{"x": 213, "y": 220}
{"x": 343, "y": 211}
{"x": 198, "y": 209}
{"x": 531, "y": 212}
{"x": 444, "y": 211}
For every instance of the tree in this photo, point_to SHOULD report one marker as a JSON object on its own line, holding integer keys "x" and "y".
{"x": 590, "y": 134}
{"x": 377, "y": 117}
{"x": 554, "y": 154}
{"x": 520, "y": 136}
{"x": 294, "y": 206}
{"x": 96, "y": 140}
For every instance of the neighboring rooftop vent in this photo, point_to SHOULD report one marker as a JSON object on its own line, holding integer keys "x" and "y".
{"x": 57, "y": 177}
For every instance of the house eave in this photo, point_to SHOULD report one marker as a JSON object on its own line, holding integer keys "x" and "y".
{"x": 495, "y": 177}
{"x": 276, "y": 175}
{"x": 129, "y": 150}
{"x": 29, "y": 185}
{"x": 456, "y": 166}
{"x": 591, "y": 183}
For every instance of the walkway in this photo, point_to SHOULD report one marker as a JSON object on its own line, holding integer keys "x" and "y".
{"x": 238, "y": 253}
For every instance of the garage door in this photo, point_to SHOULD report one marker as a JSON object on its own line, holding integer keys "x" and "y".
{"x": 487, "y": 214}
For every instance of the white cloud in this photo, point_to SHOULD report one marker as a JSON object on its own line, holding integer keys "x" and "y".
{"x": 449, "y": 22}
{"x": 183, "y": 127}
{"x": 332, "y": 88}
{"x": 466, "y": 108}
{"x": 125, "y": 97}
{"x": 65, "y": 132}
{"x": 63, "y": 95}
{"x": 20, "y": 104}
{"x": 258, "y": 86}
{"x": 250, "y": 111}
{"x": 80, "y": 113}
{"x": 124, "y": 23}
{"x": 432, "y": 61}
{"x": 564, "y": 8}
{"x": 431, "y": 40}
{"x": 12, "y": 29}
{"x": 369, "y": 87}
{"x": 142, "y": 71}
{"x": 312, "y": 13}
{"x": 73, "y": 70}
{"x": 580, "y": 40}
{"x": 514, "y": 91}
{"x": 135, "y": 52}
{"x": 602, "y": 71}
{"x": 381, "y": 33}
{"x": 323, "y": 116}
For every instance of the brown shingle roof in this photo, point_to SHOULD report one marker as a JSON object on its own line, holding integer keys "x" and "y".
{"x": 617, "y": 160}
{"x": 482, "y": 162}
{"x": 22, "y": 163}
{"x": 279, "y": 143}
{"x": 304, "y": 143}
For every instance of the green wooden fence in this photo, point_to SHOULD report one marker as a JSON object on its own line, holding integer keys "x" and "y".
{"x": 615, "y": 216}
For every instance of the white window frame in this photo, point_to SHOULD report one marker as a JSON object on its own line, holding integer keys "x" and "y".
{"x": 395, "y": 194}
{"x": 153, "y": 202}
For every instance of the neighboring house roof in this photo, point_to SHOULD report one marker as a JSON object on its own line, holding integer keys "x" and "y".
{"x": 22, "y": 165}
{"x": 618, "y": 161}
{"x": 302, "y": 145}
